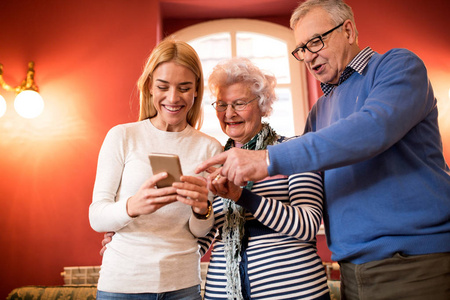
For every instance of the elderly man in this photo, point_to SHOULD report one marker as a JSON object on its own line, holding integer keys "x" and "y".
{"x": 374, "y": 133}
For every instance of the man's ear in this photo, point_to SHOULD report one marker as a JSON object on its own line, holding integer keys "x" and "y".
{"x": 350, "y": 31}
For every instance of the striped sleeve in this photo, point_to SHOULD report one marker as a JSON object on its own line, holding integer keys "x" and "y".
{"x": 297, "y": 214}
{"x": 206, "y": 241}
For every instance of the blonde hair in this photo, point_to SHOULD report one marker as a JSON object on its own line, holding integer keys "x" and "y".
{"x": 338, "y": 10}
{"x": 170, "y": 50}
{"x": 242, "y": 70}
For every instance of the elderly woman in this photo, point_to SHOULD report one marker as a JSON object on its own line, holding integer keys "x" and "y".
{"x": 264, "y": 233}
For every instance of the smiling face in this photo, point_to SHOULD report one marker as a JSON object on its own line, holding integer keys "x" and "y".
{"x": 340, "y": 45}
{"x": 173, "y": 90}
{"x": 242, "y": 125}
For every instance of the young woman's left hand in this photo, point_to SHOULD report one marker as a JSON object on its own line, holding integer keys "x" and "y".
{"x": 192, "y": 191}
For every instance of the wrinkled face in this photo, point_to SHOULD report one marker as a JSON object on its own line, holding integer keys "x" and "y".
{"x": 242, "y": 125}
{"x": 173, "y": 88}
{"x": 329, "y": 63}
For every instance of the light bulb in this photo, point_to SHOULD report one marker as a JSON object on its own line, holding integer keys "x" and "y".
{"x": 29, "y": 104}
{"x": 2, "y": 106}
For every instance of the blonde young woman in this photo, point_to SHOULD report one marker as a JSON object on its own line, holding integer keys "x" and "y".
{"x": 154, "y": 252}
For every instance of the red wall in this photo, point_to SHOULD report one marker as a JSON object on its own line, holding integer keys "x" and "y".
{"x": 88, "y": 56}
{"x": 421, "y": 26}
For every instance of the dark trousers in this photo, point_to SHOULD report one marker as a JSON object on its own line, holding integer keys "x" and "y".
{"x": 399, "y": 277}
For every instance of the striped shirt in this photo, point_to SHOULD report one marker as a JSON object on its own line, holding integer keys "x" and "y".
{"x": 282, "y": 259}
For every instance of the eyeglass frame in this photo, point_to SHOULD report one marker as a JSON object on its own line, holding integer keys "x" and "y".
{"x": 214, "y": 104}
{"x": 320, "y": 37}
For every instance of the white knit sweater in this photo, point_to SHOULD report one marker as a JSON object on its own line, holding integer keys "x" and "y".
{"x": 151, "y": 253}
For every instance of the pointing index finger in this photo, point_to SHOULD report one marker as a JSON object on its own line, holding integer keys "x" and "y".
{"x": 219, "y": 159}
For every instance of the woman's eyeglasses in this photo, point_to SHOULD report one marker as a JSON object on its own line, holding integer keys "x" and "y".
{"x": 237, "y": 105}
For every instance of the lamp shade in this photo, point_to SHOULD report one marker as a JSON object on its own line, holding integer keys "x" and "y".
{"x": 2, "y": 106}
{"x": 29, "y": 104}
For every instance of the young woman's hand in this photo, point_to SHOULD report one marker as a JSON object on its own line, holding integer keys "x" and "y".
{"x": 192, "y": 191}
{"x": 149, "y": 199}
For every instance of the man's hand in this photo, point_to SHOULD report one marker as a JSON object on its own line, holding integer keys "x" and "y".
{"x": 239, "y": 165}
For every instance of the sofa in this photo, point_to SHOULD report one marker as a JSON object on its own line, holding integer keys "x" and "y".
{"x": 80, "y": 284}
{"x": 88, "y": 292}
{"x": 62, "y": 292}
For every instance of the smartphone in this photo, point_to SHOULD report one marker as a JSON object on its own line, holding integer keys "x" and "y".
{"x": 163, "y": 162}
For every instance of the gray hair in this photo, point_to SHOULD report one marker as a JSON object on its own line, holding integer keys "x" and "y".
{"x": 242, "y": 70}
{"x": 338, "y": 10}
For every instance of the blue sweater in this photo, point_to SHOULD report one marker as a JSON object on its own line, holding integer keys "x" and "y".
{"x": 387, "y": 185}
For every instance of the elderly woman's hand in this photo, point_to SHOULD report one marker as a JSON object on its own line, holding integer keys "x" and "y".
{"x": 192, "y": 191}
{"x": 221, "y": 186}
{"x": 107, "y": 238}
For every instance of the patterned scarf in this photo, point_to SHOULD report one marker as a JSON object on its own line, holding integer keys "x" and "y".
{"x": 233, "y": 229}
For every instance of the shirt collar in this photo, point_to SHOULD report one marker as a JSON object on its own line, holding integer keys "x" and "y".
{"x": 358, "y": 63}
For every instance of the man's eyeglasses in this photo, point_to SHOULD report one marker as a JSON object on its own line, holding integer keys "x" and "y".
{"x": 237, "y": 105}
{"x": 314, "y": 45}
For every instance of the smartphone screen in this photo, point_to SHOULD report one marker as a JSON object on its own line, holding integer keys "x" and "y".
{"x": 170, "y": 163}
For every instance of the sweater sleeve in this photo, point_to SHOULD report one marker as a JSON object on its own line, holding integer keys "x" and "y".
{"x": 105, "y": 213}
{"x": 300, "y": 218}
{"x": 200, "y": 228}
{"x": 399, "y": 97}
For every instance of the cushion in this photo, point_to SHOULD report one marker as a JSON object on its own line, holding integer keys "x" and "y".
{"x": 54, "y": 292}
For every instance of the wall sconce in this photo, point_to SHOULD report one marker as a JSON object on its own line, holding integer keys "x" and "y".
{"x": 28, "y": 103}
